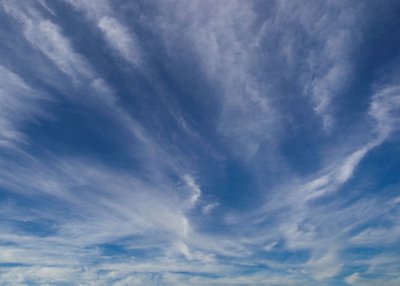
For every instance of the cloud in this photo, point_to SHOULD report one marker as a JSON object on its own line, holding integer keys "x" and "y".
{"x": 377, "y": 236}
{"x": 353, "y": 278}
{"x": 118, "y": 37}
{"x": 385, "y": 104}
{"x": 327, "y": 229}
{"x": 47, "y": 37}
{"x": 111, "y": 207}
{"x": 223, "y": 166}
{"x": 194, "y": 188}
{"x": 224, "y": 41}
{"x": 328, "y": 64}
{"x": 19, "y": 103}
{"x": 208, "y": 208}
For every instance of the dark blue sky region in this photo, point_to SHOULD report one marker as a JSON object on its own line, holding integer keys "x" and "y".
{"x": 200, "y": 142}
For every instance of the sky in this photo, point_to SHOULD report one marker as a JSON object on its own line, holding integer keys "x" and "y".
{"x": 200, "y": 142}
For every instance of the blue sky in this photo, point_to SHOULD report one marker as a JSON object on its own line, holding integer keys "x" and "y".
{"x": 199, "y": 142}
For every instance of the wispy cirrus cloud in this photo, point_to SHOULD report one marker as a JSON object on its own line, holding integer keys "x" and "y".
{"x": 224, "y": 38}
{"x": 46, "y": 36}
{"x": 19, "y": 103}
{"x": 118, "y": 37}
{"x": 198, "y": 143}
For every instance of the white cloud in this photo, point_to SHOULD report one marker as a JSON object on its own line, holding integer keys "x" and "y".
{"x": 194, "y": 188}
{"x": 208, "y": 208}
{"x": 120, "y": 39}
{"x": 93, "y": 9}
{"x": 384, "y": 104}
{"x": 377, "y": 236}
{"x": 223, "y": 37}
{"x": 324, "y": 264}
{"x": 270, "y": 246}
{"x": 148, "y": 213}
{"x": 47, "y": 37}
{"x": 327, "y": 230}
{"x": 330, "y": 65}
{"x": 19, "y": 103}
{"x": 353, "y": 278}
{"x": 117, "y": 36}
{"x": 384, "y": 107}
